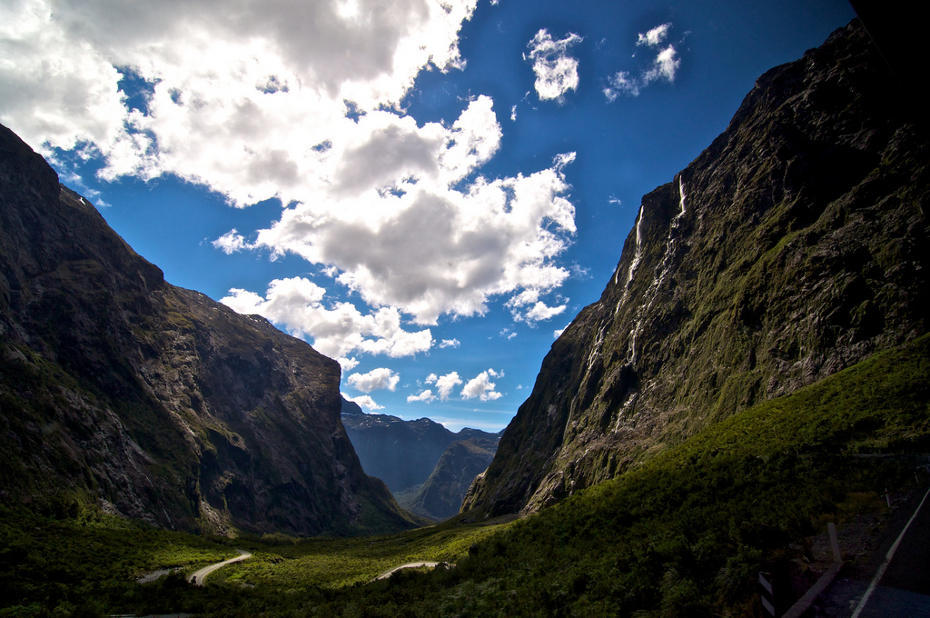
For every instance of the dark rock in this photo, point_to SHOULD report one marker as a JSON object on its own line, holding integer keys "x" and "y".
{"x": 155, "y": 401}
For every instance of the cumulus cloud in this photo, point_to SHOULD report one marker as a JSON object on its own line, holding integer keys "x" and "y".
{"x": 425, "y": 396}
{"x": 337, "y": 329}
{"x": 450, "y": 343}
{"x": 490, "y": 237}
{"x": 481, "y": 386}
{"x": 381, "y": 378}
{"x": 445, "y": 383}
{"x": 541, "y": 311}
{"x": 556, "y": 71}
{"x": 663, "y": 66}
{"x": 558, "y": 332}
{"x": 526, "y": 307}
{"x": 225, "y": 95}
{"x": 364, "y": 401}
{"x": 215, "y": 71}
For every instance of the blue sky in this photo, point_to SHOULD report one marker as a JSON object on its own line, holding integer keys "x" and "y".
{"x": 427, "y": 192}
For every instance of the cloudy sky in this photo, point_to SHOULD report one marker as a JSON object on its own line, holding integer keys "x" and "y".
{"x": 427, "y": 191}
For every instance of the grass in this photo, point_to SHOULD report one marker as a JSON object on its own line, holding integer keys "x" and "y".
{"x": 336, "y": 563}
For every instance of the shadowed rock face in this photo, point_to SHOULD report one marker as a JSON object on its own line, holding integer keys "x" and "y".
{"x": 441, "y": 495}
{"x": 154, "y": 400}
{"x": 794, "y": 246}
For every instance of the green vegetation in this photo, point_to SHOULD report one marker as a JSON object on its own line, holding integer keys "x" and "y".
{"x": 684, "y": 533}
{"x": 335, "y": 563}
{"x": 61, "y": 558}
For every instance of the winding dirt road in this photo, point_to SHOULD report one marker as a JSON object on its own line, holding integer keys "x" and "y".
{"x": 409, "y": 565}
{"x": 198, "y": 577}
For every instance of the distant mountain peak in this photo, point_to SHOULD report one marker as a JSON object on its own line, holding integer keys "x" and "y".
{"x": 426, "y": 466}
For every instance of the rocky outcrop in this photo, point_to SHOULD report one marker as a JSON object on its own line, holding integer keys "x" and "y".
{"x": 152, "y": 400}
{"x": 794, "y": 246}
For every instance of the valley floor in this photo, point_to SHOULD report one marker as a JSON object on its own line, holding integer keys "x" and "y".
{"x": 685, "y": 533}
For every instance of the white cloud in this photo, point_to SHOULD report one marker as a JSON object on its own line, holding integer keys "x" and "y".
{"x": 231, "y": 242}
{"x": 513, "y": 113}
{"x": 558, "y": 332}
{"x": 537, "y": 311}
{"x": 425, "y": 396}
{"x": 365, "y": 401}
{"x": 297, "y": 305}
{"x": 621, "y": 83}
{"x": 381, "y": 378}
{"x": 507, "y": 334}
{"x": 489, "y": 238}
{"x": 481, "y": 386}
{"x": 450, "y": 343}
{"x": 226, "y": 107}
{"x": 219, "y": 73}
{"x": 664, "y": 67}
{"x": 445, "y": 383}
{"x": 654, "y": 36}
{"x": 541, "y": 311}
{"x": 556, "y": 71}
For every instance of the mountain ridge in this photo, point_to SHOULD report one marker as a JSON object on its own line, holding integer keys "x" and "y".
{"x": 152, "y": 401}
{"x": 792, "y": 247}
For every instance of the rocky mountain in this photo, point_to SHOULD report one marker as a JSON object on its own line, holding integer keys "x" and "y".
{"x": 426, "y": 466}
{"x": 441, "y": 494}
{"x": 796, "y": 245}
{"x": 153, "y": 401}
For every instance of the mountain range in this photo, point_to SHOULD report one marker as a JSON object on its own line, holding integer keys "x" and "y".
{"x": 427, "y": 467}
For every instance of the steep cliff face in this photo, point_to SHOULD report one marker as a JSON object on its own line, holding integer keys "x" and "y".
{"x": 154, "y": 400}
{"x": 794, "y": 246}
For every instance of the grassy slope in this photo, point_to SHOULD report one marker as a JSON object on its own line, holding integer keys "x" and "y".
{"x": 334, "y": 563}
{"x": 684, "y": 533}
